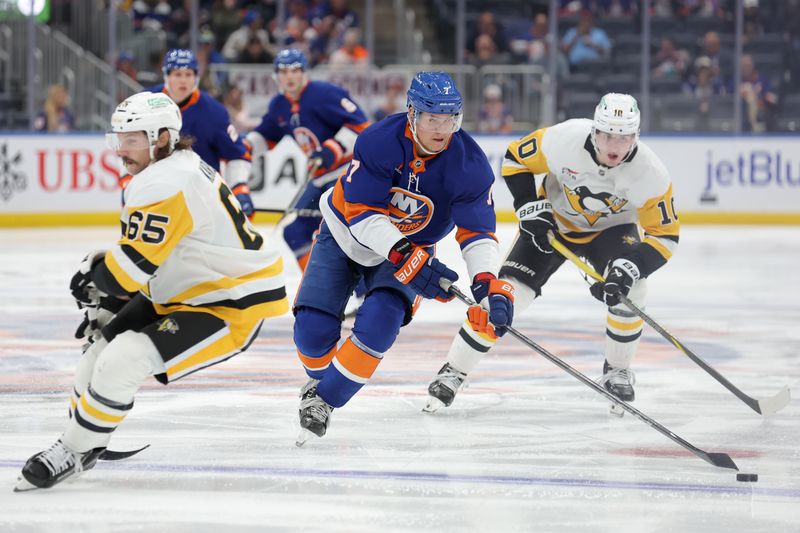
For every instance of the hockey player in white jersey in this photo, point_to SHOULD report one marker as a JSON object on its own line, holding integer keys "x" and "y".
{"x": 607, "y": 197}
{"x": 192, "y": 276}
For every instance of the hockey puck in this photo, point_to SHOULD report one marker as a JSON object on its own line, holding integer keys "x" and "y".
{"x": 747, "y": 477}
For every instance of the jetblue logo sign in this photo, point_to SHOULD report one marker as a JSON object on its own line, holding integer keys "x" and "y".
{"x": 754, "y": 169}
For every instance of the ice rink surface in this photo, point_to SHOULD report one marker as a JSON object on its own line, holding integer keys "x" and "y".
{"x": 526, "y": 447}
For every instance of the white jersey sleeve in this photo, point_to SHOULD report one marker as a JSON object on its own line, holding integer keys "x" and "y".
{"x": 186, "y": 243}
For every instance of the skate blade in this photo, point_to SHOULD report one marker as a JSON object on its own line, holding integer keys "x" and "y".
{"x": 434, "y": 404}
{"x": 616, "y": 410}
{"x": 303, "y": 437}
{"x": 23, "y": 485}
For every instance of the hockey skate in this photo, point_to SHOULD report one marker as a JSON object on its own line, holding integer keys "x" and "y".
{"x": 442, "y": 390}
{"x": 619, "y": 382}
{"x": 53, "y": 466}
{"x": 315, "y": 413}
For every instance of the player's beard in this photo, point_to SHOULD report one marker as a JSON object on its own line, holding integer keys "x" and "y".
{"x": 126, "y": 161}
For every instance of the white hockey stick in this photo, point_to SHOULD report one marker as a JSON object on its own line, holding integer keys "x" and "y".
{"x": 765, "y": 407}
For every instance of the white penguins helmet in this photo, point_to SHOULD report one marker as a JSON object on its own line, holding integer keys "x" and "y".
{"x": 147, "y": 112}
{"x": 617, "y": 114}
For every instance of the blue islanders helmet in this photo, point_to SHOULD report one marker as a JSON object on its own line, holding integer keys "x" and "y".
{"x": 179, "y": 58}
{"x": 616, "y": 114}
{"x": 290, "y": 58}
{"x": 435, "y": 93}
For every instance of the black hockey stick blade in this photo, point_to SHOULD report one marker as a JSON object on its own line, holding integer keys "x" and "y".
{"x": 722, "y": 460}
{"x": 716, "y": 459}
{"x": 111, "y": 455}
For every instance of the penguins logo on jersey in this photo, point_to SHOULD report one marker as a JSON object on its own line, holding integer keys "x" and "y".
{"x": 593, "y": 206}
{"x": 409, "y": 211}
{"x": 306, "y": 139}
{"x": 168, "y": 325}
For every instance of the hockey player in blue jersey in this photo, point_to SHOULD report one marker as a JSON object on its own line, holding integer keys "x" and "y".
{"x": 205, "y": 119}
{"x": 324, "y": 121}
{"x": 413, "y": 178}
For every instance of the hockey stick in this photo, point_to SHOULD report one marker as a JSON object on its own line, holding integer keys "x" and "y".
{"x": 721, "y": 460}
{"x": 291, "y": 210}
{"x": 111, "y": 455}
{"x": 765, "y": 407}
{"x": 298, "y": 212}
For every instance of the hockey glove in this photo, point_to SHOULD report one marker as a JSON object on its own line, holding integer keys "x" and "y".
{"x": 536, "y": 219}
{"x": 82, "y": 287}
{"x": 242, "y": 193}
{"x": 322, "y": 158}
{"x": 495, "y": 308}
{"x": 416, "y": 267}
{"x": 96, "y": 318}
{"x": 619, "y": 280}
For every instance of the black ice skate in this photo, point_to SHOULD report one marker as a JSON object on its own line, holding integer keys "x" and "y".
{"x": 619, "y": 382}
{"x": 54, "y": 465}
{"x": 315, "y": 413}
{"x": 442, "y": 390}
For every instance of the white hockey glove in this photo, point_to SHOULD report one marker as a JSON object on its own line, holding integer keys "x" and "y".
{"x": 619, "y": 280}
{"x": 536, "y": 219}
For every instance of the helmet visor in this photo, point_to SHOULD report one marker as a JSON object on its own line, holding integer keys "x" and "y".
{"x": 130, "y": 140}
{"x": 436, "y": 123}
{"x": 614, "y": 142}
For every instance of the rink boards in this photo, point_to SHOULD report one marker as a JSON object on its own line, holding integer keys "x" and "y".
{"x": 72, "y": 179}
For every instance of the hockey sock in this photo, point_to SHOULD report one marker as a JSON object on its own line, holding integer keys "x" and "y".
{"x": 352, "y": 367}
{"x": 120, "y": 370}
{"x": 376, "y": 327}
{"x": 469, "y": 346}
{"x": 83, "y": 372}
{"x": 624, "y": 329}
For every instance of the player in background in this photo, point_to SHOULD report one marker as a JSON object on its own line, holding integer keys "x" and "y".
{"x": 207, "y": 120}
{"x": 179, "y": 315}
{"x": 324, "y": 121}
{"x": 596, "y": 187}
{"x": 413, "y": 178}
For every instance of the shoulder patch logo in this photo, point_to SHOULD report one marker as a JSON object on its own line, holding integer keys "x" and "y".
{"x": 593, "y": 206}
{"x": 409, "y": 211}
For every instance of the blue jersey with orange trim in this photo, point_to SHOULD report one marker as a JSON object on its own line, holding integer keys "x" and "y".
{"x": 314, "y": 118}
{"x": 423, "y": 197}
{"x": 208, "y": 122}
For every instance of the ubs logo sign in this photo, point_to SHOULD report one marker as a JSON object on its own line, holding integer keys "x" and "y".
{"x": 11, "y": 178}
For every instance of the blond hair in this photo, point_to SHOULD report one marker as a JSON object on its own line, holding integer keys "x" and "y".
{"x": 52, "y": 109}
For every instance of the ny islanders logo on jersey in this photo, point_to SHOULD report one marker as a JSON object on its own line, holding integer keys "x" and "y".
{"x": 409, "y": 211}
{"x": 306, "y": 139}
{"x": 593, "y": 206}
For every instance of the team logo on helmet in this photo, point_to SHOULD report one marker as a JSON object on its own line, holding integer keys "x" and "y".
{"x": 593, "y": 206}
{"x": 409, "y": 211}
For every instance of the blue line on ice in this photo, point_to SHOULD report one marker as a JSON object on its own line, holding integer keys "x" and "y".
{"x": 744, "y": 488}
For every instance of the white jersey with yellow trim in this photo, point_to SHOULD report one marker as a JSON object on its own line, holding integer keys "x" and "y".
{"x": 588, "y": 197}
{"x": 186, "y": 244}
